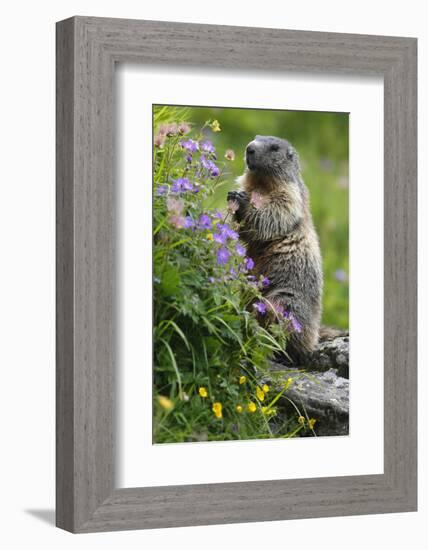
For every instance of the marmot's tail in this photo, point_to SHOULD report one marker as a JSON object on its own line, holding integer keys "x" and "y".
{"x": 329, "y": 333}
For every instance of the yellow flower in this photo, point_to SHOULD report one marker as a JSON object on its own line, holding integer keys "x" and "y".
{"x": 268, "y": 411}
{"x": 215, "y": 126}
{"x": 238, "y": 408}
{"x": 288, "y": 383}
{"x": 251, "y": 407}
{"x": 217, "y": 409}
{"x": 265, "y": 388}
{"x": 165, "y": 402}
{"x": 210, "y": 237}
{"x": 203, "y": 392}
{"x": 311, "y": 423}
{"x": 242, "y": 379}
{"x": 301, "y": 420}
{"x": 260, "y": 394}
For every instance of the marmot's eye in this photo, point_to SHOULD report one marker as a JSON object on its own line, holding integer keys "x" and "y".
{"x": 290, "y": 153}
{"x": 274, "y": 147}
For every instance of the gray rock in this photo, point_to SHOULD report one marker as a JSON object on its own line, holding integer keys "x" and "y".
{"x": 321, "y": 389}
{"x": 332, "y": 353}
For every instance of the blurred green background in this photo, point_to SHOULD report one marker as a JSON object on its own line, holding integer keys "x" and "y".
{"x": 322, "y": 141}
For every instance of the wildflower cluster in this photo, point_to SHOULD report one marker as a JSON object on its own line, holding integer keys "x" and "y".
{"x": 169, "y": 130}
{"x": 210, "y": 350}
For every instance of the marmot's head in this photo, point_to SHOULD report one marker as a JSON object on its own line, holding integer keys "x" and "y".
{"x": 272, "y": 156}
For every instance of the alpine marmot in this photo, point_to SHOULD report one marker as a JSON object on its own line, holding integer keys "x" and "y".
{"x": 272, "y": 208}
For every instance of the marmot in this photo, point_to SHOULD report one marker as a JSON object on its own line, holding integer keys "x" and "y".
{"x": 272, "y": 208}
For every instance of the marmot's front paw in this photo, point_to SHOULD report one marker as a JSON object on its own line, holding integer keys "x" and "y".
{"x": 238, "y": 202}
{"x": 241, "y": 197}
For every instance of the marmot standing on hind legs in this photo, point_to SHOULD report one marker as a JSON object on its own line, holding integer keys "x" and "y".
{"x": 272, "y": 207}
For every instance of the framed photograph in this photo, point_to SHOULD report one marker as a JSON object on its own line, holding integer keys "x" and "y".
{"x": 236, "y": 274}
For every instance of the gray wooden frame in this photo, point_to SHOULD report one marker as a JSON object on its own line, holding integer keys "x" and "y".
{"x": 87, "y": 50}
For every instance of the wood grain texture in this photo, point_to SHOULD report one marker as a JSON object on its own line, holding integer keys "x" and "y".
{"x": 64, "y": 277}
{"x": 87, "y": 49}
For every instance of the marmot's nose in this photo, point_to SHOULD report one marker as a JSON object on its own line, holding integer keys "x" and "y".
{"x": 251, "y": 150}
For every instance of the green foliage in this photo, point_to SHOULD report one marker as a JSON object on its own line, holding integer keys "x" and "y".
{"x": 211, "y": 353}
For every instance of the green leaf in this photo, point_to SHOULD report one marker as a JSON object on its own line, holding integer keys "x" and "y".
{"x": 175, "y": 366}
{"x": 170, "y": 280}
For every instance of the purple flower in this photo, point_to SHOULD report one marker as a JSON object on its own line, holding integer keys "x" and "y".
{"x": 232, "y": 234}
{"x": 223, "y": 256}
{"x": 159, "y": 140}
{"x": 176, "y": 187}
{"x": 219, "y": 238}
{"x": 204, "y": 222}
{"x": 296, "y": 325}
{"x": 265, "y": 282}
{"x": 168, "y": 129}
{"x": 340, "y": 275}
{"x": 206, "y": 163}
{"x": 210, "y": 166}
{"x": 172, "y": 129}
{"x": 189, "y": 159}
{"x": 294, "y": 322}
{"x": 207, "y": 146}
{"x": 163, "y": 129}
{"x": 181, "y": 184}
{"x": 260, "y": 307}
{"x": 190, "y": 145}
{"x": 211, "y": 279}
{"x": 249, "y": 263}
{"x": 161, "y": 190}
{"x": 184, "y": 128}
{"x": 177, "y": 221}
{"x": 240, "y": 249}
{"x": 186, "y": 185}
{"x": 189, "y": 223}
{"x": 218, "y": 214}
{"x": 175, "y": 205}
{"x": 279, "y": 309}
{"x": 233, "y": 274}
{"x": 227, "y": 231}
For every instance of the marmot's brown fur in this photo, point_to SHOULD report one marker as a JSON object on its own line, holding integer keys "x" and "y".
{"x": 276, "y": 224}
